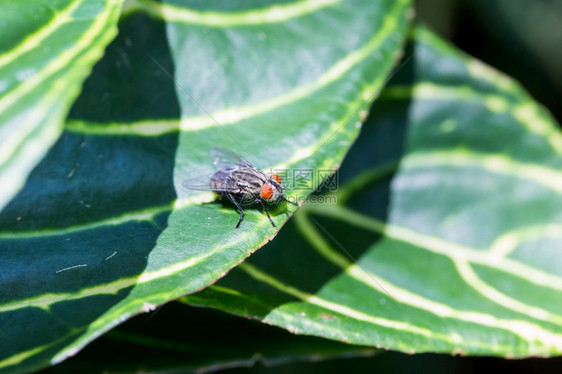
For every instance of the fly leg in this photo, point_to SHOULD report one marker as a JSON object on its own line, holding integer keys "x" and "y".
{"x": 239, "y": 207}
{"x": 283, "y": 198}
{"x": 266, "y": 212}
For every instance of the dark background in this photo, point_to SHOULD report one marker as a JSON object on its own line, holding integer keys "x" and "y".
{"x": 521, "y": 38}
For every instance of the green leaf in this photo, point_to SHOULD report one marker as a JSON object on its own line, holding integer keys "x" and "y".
{"x": 205, "y": 341}
{"x": 103, "y": 229}
{"x": 46, "y": 52}
{"x": 449, "y": 201}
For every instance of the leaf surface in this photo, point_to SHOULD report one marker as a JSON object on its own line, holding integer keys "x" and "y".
{"x": 46, "y": 52}
{"x": 103, "y": 229}
{"x": 450, "y": 204}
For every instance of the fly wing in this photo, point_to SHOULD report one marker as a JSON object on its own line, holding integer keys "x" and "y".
{"x": 223, "y": 158}
{"x": 219, "y": 184}
{"x": 198, "y": 184}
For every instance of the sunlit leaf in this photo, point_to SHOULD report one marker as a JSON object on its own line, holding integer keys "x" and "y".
{"x": 449, "y": 201}
{"x": 103, "y": 229}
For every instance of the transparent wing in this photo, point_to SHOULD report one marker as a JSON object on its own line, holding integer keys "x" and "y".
{"x": 203, "y": 183}
{"x": 198, "y": 184}
{"x": 223, "y": 158}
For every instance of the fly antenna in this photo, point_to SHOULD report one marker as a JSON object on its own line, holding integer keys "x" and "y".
{"x": 290, "y": 202}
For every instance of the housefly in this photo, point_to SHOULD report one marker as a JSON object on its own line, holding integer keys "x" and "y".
{"x": 241, "y": 182}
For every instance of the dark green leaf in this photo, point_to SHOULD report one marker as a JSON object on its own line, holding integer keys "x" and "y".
{"x": 103, "y": 229}
{"x": 47, "y": 49}
{"x": 451, "y": 205}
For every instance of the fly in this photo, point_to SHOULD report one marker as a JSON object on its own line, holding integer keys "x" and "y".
{"x": 241, "y": 182}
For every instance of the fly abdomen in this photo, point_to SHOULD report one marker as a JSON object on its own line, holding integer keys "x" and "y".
{"x": 241, "y": 181}
{"x": 221, "y": 182}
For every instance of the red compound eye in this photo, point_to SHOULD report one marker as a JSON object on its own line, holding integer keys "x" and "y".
{"x": 266, "y": 191}
{"x": 277, "y": 178}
